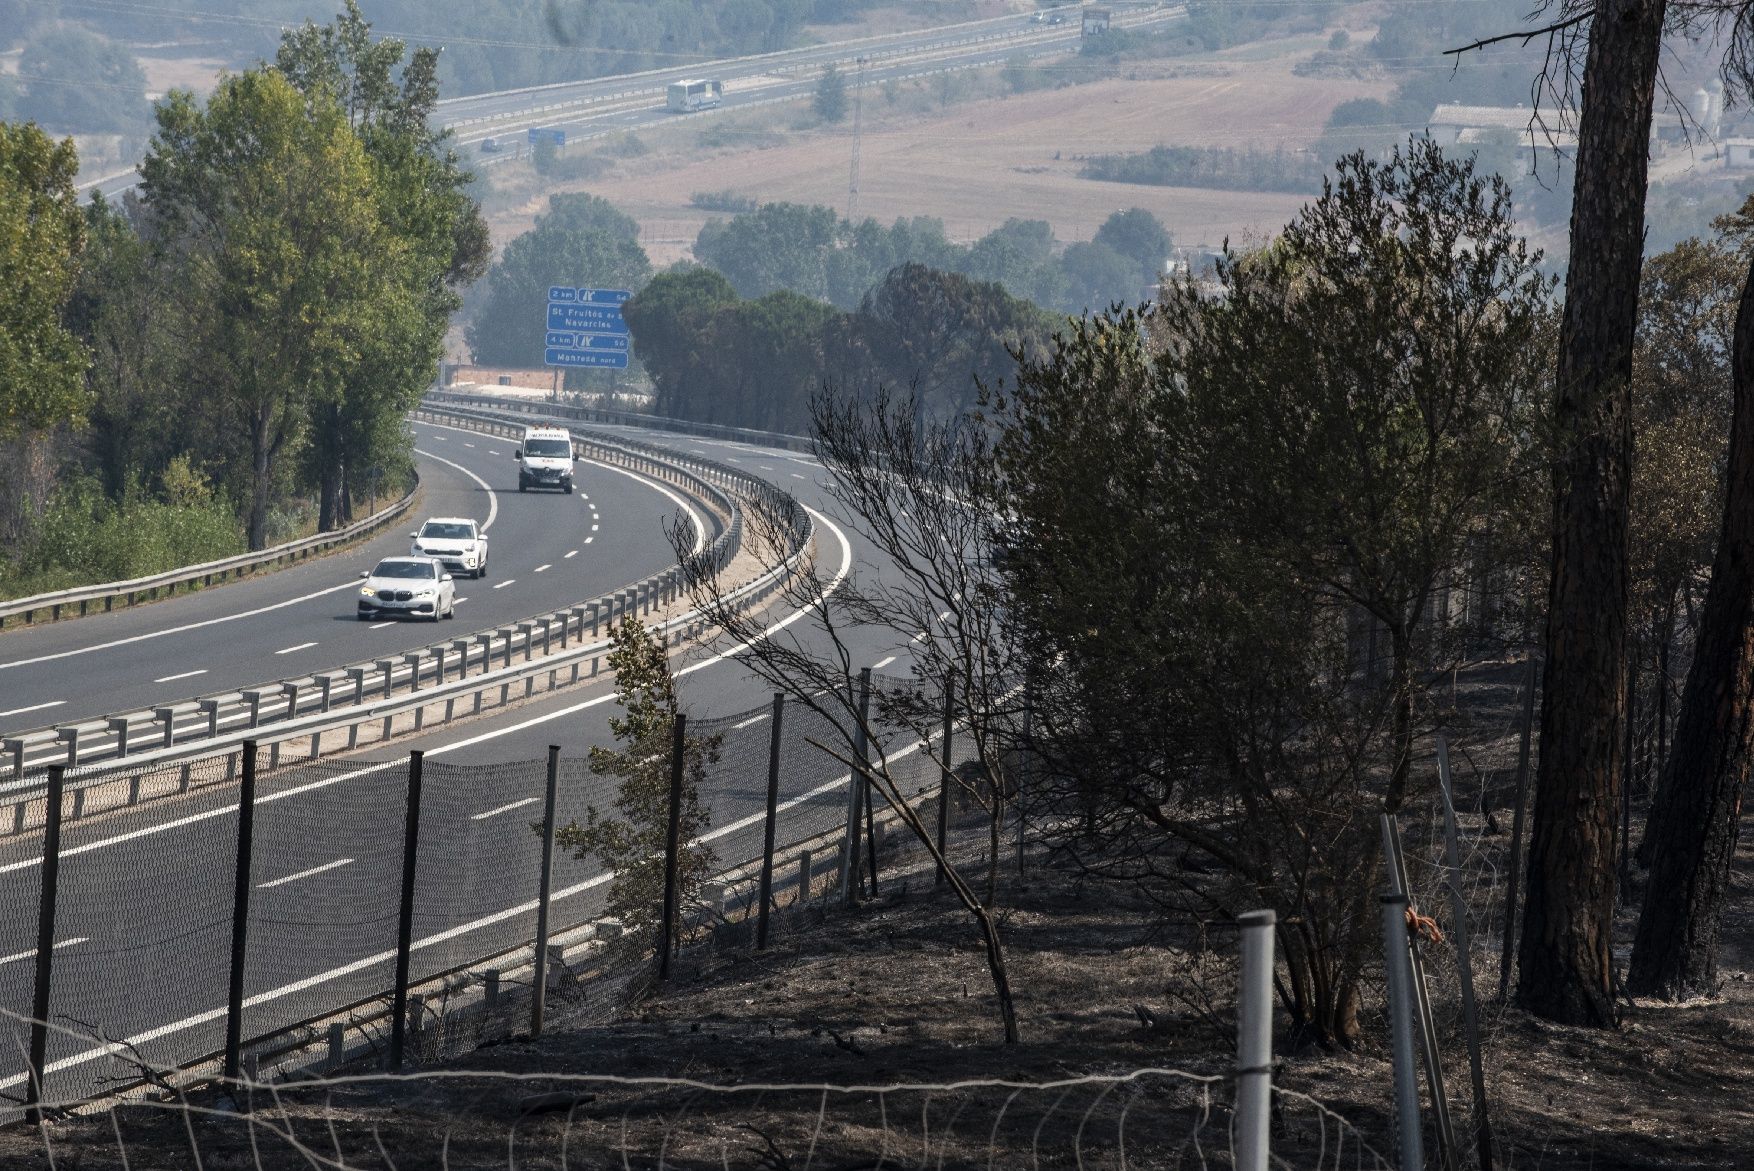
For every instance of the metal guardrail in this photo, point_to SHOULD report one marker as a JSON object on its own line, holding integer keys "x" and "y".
{"x": 584, "y": 414}
{"x": 345, "y": 699}
{"x": 129, "y": 592}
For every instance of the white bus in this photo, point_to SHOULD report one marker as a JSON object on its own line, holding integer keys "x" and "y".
{"x": 685, "y": 97}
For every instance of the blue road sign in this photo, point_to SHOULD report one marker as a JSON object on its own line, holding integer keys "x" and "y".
{"x": 614, "y": 361}
{"x": 547, "y": 134}
{"x": 586, "y": 318}
{"x": 562, "y": 293}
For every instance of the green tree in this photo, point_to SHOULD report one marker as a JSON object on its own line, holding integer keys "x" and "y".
{"x": 1097, "y": 276}
{"x": 581, "y": 240}
{"x": 777, "y": 246}
{"x": 270, "y": 197}
{"x": 630, "y": 841}
{"x": 42, "y": 236}
{"x": 420, "y": 194}
{"x": 830, "y": 102}
{"x": 668, "y": 321}
{"x": 1140, "y": 237}
{"x": 1243, "y": 486}
{"x": 1019, "y": 254}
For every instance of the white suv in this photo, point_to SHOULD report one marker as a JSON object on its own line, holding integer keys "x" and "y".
{"x": 454, "y": 540}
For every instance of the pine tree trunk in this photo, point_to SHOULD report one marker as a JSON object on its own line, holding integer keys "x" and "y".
{"x": 1565, "y": 970}
{"x": 1675, "y": 952}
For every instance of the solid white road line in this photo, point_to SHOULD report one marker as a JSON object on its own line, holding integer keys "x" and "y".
{"x": 184, "y": 675}
{"x": 335, "y": 865}
{"x": 503, "y": 809}
{"x": 35, "y": 707}
{"x": 492, "y": 496}
{"x": 301, "y": 646}
{"x": 31, "y": 954}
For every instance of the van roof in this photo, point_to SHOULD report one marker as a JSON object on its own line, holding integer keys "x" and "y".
{"x": 544, "y": 432}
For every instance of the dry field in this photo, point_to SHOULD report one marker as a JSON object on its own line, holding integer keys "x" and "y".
{"x": 979, "y": 163}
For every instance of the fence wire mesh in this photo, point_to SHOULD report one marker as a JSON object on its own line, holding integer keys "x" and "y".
{"x": 1141, "y": 1118}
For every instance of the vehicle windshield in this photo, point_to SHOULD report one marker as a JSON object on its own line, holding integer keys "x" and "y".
{"x": 548, "y": 448}
{"x": 455, "y": 532}
{"x": 411, "y": 569}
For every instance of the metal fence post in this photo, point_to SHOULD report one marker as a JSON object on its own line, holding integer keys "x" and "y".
{"x": 405, "y": 917}
{"x": 850, "y": 854}
{"x": 1254, "y": 1041}
{"x": 39, "y": 1011}
{"x": 773, "y": 796}
{"x": 1516, "y": 831}
{"x": 240, "y": 914}
{"x": 672, "y": 847}
{"x": 1409, "y": 1141}
{"x": 539, "y": 996}
{"x": 944, "y": 772}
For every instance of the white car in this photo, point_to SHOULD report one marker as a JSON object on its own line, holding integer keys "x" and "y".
{"x": 454, "y": 540}
{"x": 408, "y": 585}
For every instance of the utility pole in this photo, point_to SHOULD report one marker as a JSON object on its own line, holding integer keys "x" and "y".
{"x": 858, "y": 134}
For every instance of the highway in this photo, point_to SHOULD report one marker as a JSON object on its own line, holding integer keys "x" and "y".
{"x": 145, "y": 893}
{"x": 609, "y": 105}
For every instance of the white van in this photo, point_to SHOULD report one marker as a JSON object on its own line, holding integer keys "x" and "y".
{"x": 545, "y": 460}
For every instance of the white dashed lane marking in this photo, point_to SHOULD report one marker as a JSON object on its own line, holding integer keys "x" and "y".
{"x": 751, "y": 720}
{"x": 542, "y": 568}
{"x": 379, "y": 625}
{"x": 37, "y": 707}
{"x": 502, "y": 809}
{"x": 502, "y": 585}
{"x": 588, "y": 540}
{"x": 882, "y": 663}
{"x": 570, "y": 554}
{"x": 31, "y": 954}
{"x": 184, "y": 675}
{"x": 315, "y": 870}
{"x": 301, "y": 646}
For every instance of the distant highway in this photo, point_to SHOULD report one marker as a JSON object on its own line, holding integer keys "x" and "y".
{"x": 608, "y": 105}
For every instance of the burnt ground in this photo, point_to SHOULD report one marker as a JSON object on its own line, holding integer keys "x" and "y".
{"x": 841, "y": 1046}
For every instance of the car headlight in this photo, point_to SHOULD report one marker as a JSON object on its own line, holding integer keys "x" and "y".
{"x": 367, "y": 592}
{"x": 424, "y": 594}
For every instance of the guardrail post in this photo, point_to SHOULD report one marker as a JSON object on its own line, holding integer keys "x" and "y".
{"x": 594, "y": 620}
{"x": 545, "y": 882}
{"x": 254, "y": 699}
{"x": 765, "y": 895}
{"x": 357, "y": 674}
{"x": 388, "y": 667}
{"x": 412, "y": 658}
{"x": 71, "y": 737}
{"x": 210, "y": 708}
{"x": 337, "y": 1046}
{"x": 803, "y": 877}
{"x": 15, "y": 749}
{"x": 240, "y": 914}
{"x": 405, "y": 915}
{"x": 45, "y": 963}
{"x": 508, "y": 647}
{"x": 119, "y": 725}
{"x": 672, "y": 845}
{"x": 528, "y": 631}
{"x": 328, "y": 685}
{"x": 461, "y": 646}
